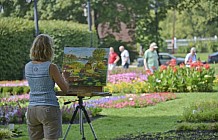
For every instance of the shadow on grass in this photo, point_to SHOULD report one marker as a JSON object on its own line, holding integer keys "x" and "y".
{"x": 111, "y": 127}
{"x": 173, "y": 135}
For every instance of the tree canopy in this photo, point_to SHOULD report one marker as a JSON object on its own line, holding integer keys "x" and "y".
{"x": 142, "y": 17}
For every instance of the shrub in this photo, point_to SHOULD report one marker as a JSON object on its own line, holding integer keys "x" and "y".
{"x": 5, "y": 133}
{"x": 202, "y": 111}
{"x": 17, "y": 35}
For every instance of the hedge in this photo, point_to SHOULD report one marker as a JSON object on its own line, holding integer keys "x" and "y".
{"x": 17, "y": 35}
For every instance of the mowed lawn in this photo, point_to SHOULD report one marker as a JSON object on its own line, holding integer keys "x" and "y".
{"x": 117, "y": 122}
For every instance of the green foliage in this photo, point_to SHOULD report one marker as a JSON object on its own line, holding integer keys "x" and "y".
{"x": 206, "y": 46}
{"x": 15, "y": 90}
{"x": 7, "y": 89}
{"x": 198, "y": 78}
{"x": 192, "y": 18}
{"x": 26, "y": 89}
{"x": 111, "y": 13}
{"x": 95, "y": 111}
{"x": 17, "y": 35}
{"x": 5, "y": 133}
{"x": 201, "y": 111}
{"x": 47, "y": 10}
{"x": 183, "y": 49}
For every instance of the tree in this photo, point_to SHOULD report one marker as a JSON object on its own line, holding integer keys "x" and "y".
{"x": 200, "y": 20}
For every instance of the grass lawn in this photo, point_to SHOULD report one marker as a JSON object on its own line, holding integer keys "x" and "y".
{"x": 118, "y": 122}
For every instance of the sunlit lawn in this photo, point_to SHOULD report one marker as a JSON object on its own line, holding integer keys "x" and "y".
{"x": 117, "y": 122}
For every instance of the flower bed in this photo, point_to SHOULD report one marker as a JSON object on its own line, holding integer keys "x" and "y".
{"x": 198, "y": 77}
{"x": 13, "y": 109}
{"x": 132, "y": 100}
{"x": 127, "y": 77}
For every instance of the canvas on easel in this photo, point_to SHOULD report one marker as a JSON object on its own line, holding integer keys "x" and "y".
{"x": 87, "y": 68}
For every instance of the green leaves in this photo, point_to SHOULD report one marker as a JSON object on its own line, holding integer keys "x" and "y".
{"x": 182, "y": 79}
{"x": 202, "y": 111}
{"x": 17, "y": 35}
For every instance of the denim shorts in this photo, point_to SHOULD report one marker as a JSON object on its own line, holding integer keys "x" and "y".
{"x": 126, "y": 66}
{"x": 44, "y": 122}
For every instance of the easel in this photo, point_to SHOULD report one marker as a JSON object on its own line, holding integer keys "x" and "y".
{"x": 82, "y": 110}
{"x": 87, "y": 71}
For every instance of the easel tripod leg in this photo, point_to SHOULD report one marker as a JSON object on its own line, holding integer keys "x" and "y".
{"x": 71, "y": 122}
{"x": 81, "y": 124}
{"x": 89, "y": 122}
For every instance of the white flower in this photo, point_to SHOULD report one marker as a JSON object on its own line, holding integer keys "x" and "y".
{"x": 157, "y": 80}
{"x": 194, "y": 111}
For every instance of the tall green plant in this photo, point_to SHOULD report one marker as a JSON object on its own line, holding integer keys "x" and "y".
{"x": 196, "y": 78}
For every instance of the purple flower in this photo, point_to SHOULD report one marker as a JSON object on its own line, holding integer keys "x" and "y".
{"x": 127, "y": 77}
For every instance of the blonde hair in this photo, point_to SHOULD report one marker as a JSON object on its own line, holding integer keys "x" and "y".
{"x": 41, "y": 49}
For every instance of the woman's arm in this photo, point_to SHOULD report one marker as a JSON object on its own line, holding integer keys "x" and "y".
{"x": 145, "y": 61}
{"x": 58, "y": 78}
{"x": 117, "y": 59}
{"x": 187, "y": 59}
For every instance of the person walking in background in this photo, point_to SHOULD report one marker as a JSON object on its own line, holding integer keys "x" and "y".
{"x": 125, "y": 60}
{"x": 151, "y": 58}
{"x": 113, "y": 59}
{"x": 44, "y": 119}
{"x": 191, "y": 57}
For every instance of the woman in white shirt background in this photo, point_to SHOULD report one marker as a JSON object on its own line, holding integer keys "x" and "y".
{"x": 191, "y": 57}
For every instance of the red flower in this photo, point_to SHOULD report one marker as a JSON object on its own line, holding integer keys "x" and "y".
{"x": 148, "y": 72}
{"x": 163, "y": 67}
{"x": 193, "y": 65}
{"x": 199, "y": 69}
{"x": 199, "y": 63}
{"x": 174, "y": 69}
{"x": 153, "y": 68}
{"x": 206, "y": 66}
{"x": 172, "y": 62}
